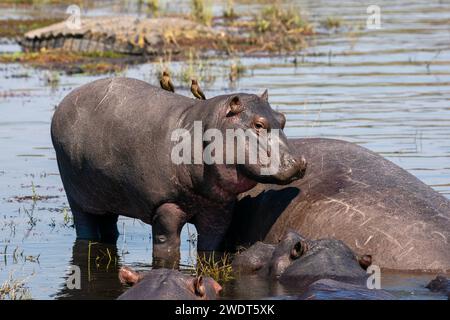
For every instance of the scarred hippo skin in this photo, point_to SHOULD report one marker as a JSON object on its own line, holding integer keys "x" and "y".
{"x": 113, "y": 143}
{"x": 352, "y": 194}
{"x": 167, "y": 284}
{"x": 297, "y": 262}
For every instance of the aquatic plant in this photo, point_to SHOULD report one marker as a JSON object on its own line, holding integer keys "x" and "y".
{"x": 236, "y": 70}
{"x": 67, "y": 218}
{"x": 10, "y": 28}
{"x": 153, "y": 6}
{"x": 202, "y": 11}
{"x": 332, "y": 23}
{"x": 228, "y": 12}
{"x": 217, "y": 267}
{"x": 195, "y": 68}
{"x": 32, "y": 221}
{"x": 34, "y": 195}
{"x": 274, "y": 17}
{"x": 14, "y": 289}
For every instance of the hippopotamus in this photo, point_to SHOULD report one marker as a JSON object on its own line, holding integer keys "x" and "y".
{"x": 318, "y": 269}
{"x": 355, "y": 195}
{"x": 162, "y": 284}
{"x": 440, "y": 284}
{"x": 114, "y": 143}
{"x": 329, "y": 289}
{"x": 297, "y": 261}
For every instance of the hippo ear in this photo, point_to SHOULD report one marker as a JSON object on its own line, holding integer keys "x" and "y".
{"x": 128, "y": 276}
{"x": 265, "y": 95}
{"x": 365, "y": 261}
{"x": 199, "y": 288}
{"x": 234, "y": 106}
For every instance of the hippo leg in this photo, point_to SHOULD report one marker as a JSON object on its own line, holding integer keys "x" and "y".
{"x": 166, "y": 228}
{"x": 211, "y": 232}
{"x": 101, "y": 228}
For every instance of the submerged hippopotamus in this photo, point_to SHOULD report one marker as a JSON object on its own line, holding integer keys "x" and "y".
{"x": 167, "y": 284}
{"x": 329, "y": 289}
{"x": 320, "y": 269}
{"x": 114, "y": 142}
{"x": 297, "y": 261}
{"x": 354, "y": 195}
{"x": 440, "y": 284}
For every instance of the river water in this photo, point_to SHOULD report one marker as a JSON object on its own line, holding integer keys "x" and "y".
{"x": 386, "y": 89}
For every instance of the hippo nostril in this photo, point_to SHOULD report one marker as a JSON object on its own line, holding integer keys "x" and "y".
{"x": 161, "y": 239}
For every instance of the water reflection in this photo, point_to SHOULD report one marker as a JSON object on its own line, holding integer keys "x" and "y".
{"x": 99, "y": 264}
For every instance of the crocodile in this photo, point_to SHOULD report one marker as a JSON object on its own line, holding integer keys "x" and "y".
{"x": 119, "y": 34}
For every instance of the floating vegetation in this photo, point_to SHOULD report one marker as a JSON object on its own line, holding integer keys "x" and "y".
{"x": 195, "y": 68}
{"x": 202, "y": 11}
{"x": 14, "y": 289}
{"x": 51, "y": 78}
{"x": 332, "y": 23}
{"x": 237, "y": 69}
{"x": 72, "y": 62}
{"x": 11, "y": 28}
{"x": 34, "y": 197}
{"x": 275, "y": 29}
{"x": 32, "y": 221}
{"x": 67, "y": 218}
{"x": 276, "y": 18}
{"x": 153, "y": 7}
{"x": 228, "y": 12}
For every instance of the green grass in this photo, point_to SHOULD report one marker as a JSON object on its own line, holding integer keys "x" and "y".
{"x": 332, "y": 23}
{"x": 228, "y": 12}
{"x": 217, "y": 267}
{"x": 274, "y": 17}
{"x": 202, "y": 11}
{"x": 10, "y": 28}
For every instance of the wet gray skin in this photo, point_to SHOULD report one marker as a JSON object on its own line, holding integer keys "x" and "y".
{"x": 167, "y": 284}
{"x": 113, "y": 145}
{"x": 328, "y": 289}
{"x": 355, "y": 195}
{"x": 296, "y": 261}
{"x": 440, "y": 284}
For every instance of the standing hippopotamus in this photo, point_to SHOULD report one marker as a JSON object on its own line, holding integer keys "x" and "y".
{"x": 352, "y": 194}
{"x": 113, "y": 142}
{"x": 167, "y": 284}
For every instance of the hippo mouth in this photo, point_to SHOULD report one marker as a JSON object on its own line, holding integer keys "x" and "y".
{"x": 282, "y": 177}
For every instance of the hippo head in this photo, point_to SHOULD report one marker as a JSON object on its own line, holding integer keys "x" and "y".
{"x": 167, "y": 284}
{"x": 254, "y": 142}
{"x": 296, "y": 258}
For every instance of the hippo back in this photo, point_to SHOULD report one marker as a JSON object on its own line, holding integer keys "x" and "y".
{"x": 354, "y": 195}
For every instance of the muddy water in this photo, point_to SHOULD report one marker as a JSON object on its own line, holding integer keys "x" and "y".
{"x": 387, "y": 89}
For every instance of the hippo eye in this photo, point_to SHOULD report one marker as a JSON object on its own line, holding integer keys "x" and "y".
{"x": 199, "y": 288}
{"x": 260, "y": 123}
{"x": 298, "y": 250}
